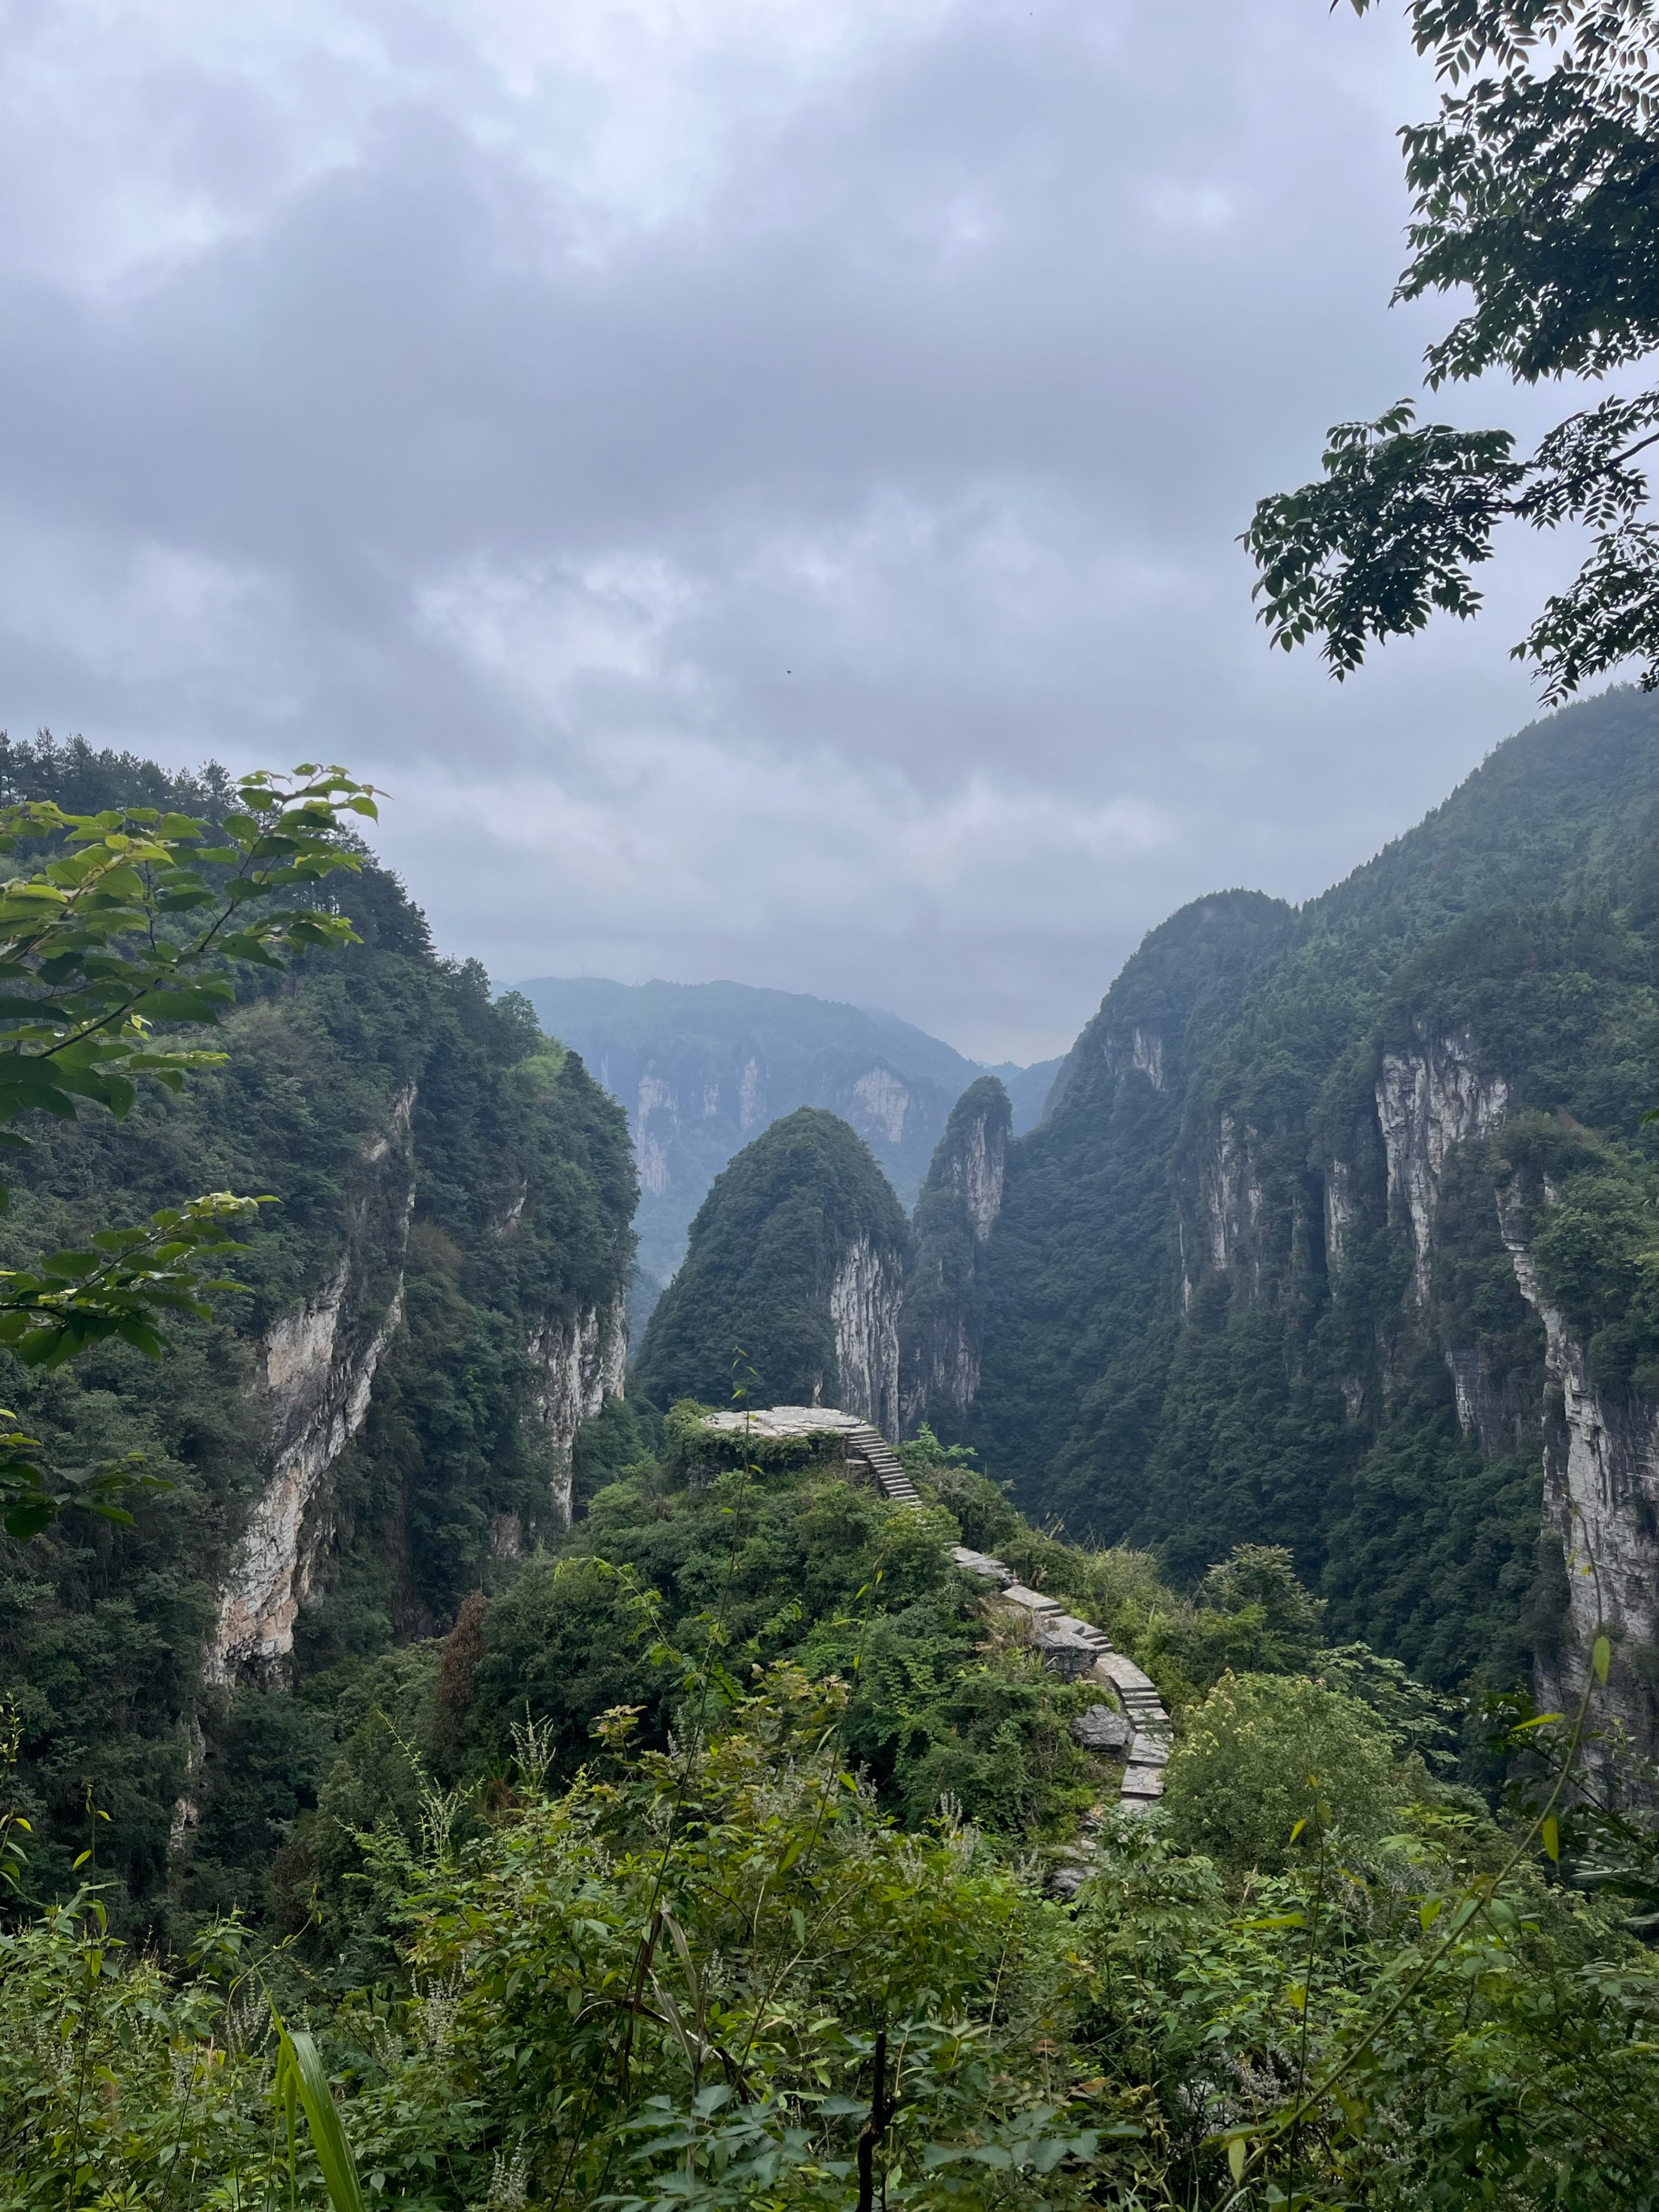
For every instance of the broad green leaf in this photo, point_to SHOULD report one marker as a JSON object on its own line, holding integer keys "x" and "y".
{"x": 302, "y": 2080}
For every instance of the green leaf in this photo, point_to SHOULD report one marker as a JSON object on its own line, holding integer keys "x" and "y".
{"x": 1601, "y": 1658}
{"x": 1235, "y": 2157}
{"x": 1552, "y": 1838}
{"x": 302, "y": 2079}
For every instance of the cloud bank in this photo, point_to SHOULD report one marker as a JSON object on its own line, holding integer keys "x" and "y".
{"x": 757, "y": 479}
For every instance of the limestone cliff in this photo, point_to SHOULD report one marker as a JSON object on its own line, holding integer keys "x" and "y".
{"x": 1429, "y": 1100}
{"x": 1249, "y": 1282}
{"x": 576, "y": 1365}
{"x": 1600, "y": 1553}
{"x": 942, "y": 1324}
{"x": 316, "y": 1371}
{"x": 864, "y": 1308}
{"x": 425, "y": 1307}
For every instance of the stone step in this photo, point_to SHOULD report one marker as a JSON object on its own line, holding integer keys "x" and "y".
{"x": 1033, "y": 1602}
{"x": 981, "y": 1563}
{"x": 1145, "y": 1782}
{"x": 884, "y": 1463}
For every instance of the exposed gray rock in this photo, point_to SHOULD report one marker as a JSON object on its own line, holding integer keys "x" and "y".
{"x": 578, "y": 1364}
{"x": 1427, "y": 1102}
{"x": 1600, "y": 1505}
{"x": 316, "y": 1372}
{"x": 864, "y": 1311}
{"x": 941, "y": 1326}
{"x": 1101, "y": 1729}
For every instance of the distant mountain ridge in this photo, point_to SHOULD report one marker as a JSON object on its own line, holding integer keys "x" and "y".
{"x": 702, "y": 1068}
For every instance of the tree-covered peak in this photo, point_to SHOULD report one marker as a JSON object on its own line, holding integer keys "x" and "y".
{"x": 769, "y": 1245}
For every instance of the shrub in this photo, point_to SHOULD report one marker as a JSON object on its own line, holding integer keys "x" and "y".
{"x": 1258, "y": 1755}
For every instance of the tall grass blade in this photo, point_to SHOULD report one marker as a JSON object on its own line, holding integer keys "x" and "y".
{"x": 301, "y": 2077}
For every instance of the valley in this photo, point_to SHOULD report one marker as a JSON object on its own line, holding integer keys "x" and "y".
{"x": 1283, "y": 1402}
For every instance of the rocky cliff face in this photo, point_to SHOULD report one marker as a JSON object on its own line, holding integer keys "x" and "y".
{"x": 1600, "y": 1520}
{"x": 864, "y": 1313}
{"x": 316, "y": 1372}
{"x": 942, "y": 1324}
{"x": 1428, "y": 1101}
{"x": 577, "y": 1365}
{"x": 1249, "y": 1282}
{"x": 421, "y": 1405}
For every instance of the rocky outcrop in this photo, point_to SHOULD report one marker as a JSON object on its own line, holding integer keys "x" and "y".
{"x": 316, "y": 1370}
{"x": 1428, "y": 1101}
{"x": 941, "y": 1325}
{"x": 1341, "y": 1212}
{"x": 880, "y": 1102}
{"x": 577, "y": 1364}
{"x": 1227, "y": 1200}
{"x": 1601, "y": 1506}
{"x": 864, "y": 1313}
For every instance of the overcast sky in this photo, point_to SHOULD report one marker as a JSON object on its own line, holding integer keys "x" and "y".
{"x": 756, "y": 479}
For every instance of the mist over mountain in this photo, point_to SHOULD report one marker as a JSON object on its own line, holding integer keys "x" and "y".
{"x": 1293, "y": 1385}
{"x": 701, "y": 1069}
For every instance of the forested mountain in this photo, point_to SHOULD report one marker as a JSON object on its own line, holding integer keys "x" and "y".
{"x": 384, "y": 1419}
{"x": 792, "y": 1283}
{"x": 702, "y": 1067}
{"x": 1337, "y": 1231}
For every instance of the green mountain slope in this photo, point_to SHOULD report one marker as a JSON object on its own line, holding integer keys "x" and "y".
{"x": 385, "y": 1415}
{"x": 1259, "y": 1274}
{"x": 795, "y": 1273}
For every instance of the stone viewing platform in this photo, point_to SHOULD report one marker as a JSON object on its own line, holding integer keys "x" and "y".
{"x": 861, "y": 1443}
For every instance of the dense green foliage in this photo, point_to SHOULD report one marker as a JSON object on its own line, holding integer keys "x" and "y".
{"x": 1081, "y": 1282}
{"x": 1281, "y": 1396}
{"x": 706, "y": 1852}
{"x": 752, "y": 1301}
{"x": 118, "y": 930}
{"x": 650, "y": 1886}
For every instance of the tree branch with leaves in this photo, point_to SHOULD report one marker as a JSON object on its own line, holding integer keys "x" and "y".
{"x": 128, "y": 931}
{"x": 1535, "y": 191}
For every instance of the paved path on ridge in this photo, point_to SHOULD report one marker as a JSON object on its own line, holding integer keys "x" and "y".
{"x": 1051, "y": 1625}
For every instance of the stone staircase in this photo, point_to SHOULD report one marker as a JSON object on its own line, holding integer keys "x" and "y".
{"x": 1075, "y": 1648}
{"x": 1053, "y": 1630}
{"x": 883, "y": 1462}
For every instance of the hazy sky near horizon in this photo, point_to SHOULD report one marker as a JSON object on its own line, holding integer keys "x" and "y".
{"x": 758, "y": 480}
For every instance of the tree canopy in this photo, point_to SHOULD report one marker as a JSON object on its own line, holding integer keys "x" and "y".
{"x": 1535, "y": 194}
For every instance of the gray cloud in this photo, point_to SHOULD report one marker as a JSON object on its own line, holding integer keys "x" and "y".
{"x": 757, "y": 479}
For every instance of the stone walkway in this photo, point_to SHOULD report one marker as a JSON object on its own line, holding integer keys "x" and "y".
{"x": 1075, "y": 1648}
{"x": 1054, "y": 1632}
